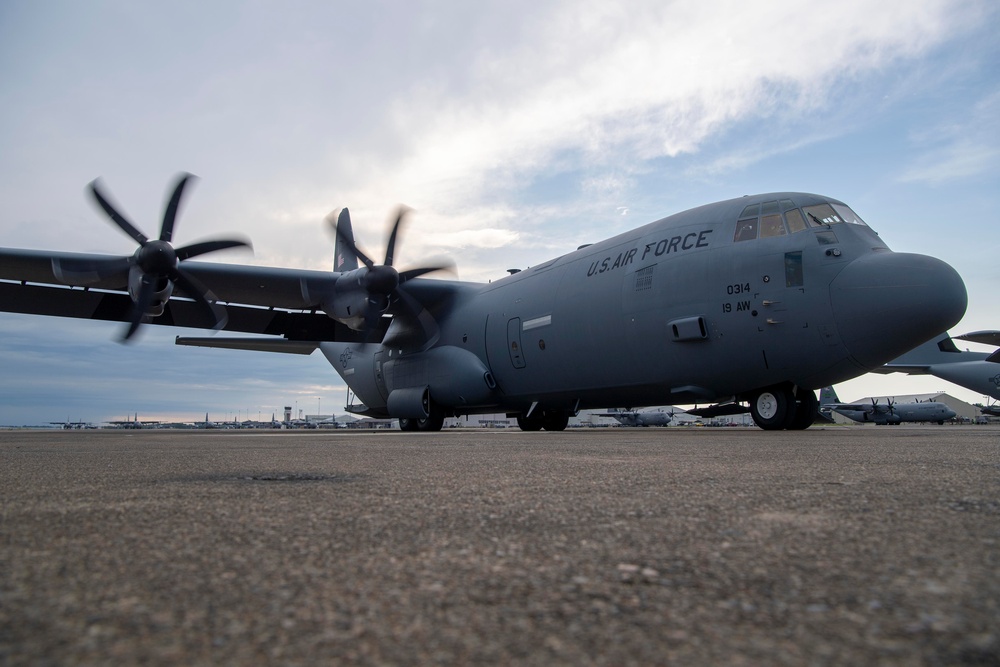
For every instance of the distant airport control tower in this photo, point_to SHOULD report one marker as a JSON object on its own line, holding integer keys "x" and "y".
{"x": 288, "y": 413}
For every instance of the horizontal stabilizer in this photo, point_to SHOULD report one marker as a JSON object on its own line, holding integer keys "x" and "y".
{"x": 984, "y": 337}
{"x": 255, "y": 344}
{"x": 911, "y": 369}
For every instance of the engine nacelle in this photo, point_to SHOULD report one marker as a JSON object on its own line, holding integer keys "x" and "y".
{"x": 410, "y": 403}
{"x": 351, "y": 301}
{"x": 164, "y": 289}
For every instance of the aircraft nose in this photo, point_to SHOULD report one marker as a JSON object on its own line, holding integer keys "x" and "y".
{"x": 887, "y": 303}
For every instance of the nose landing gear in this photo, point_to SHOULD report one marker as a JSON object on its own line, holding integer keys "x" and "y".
{"x": 783, "y": 407}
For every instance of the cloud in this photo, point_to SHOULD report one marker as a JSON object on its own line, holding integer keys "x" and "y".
{"x": 604, "y": 89}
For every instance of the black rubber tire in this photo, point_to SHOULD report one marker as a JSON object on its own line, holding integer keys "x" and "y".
{"x": 529, "y": 423}
{"x": 555, "y": 421}
{"x": 806, "y": 409}
{"x": 770, "y": 407}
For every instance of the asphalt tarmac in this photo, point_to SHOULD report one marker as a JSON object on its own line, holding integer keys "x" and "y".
{"x": 836, "y": 546}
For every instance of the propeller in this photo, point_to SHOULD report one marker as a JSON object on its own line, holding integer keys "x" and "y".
{"x": 383, "y": 283}
{"x": 155, "y": 261}
{"x": 889, "y": 403}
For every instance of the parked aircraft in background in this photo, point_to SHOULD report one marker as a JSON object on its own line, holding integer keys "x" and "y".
{"x": 68, "y": 425}
{"x": 889, "y": 412}
{"x": 940, "y": 357}
{"x": 134, "y": 423}
{"x": 760, "y": 299}
{"x": 654, "y": 417}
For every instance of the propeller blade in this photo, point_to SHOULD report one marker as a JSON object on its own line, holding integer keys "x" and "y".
{"x": 157, "y": 260}
{"x": 412, "y": 324}
{"x": 390, "y": 247}
{"x": 147, "y": 291}
{"x": 215, "y": 315}
{"x": 429, "y": 329}
{"x": 117, "y": 217}
{"x": 414, "y": 273}
{"x": 170, "y": 213}
{"x": 195, "y": 249}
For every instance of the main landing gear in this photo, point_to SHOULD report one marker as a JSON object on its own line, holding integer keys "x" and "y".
{"x": 784, "y": 407}
{"x": 550, "y": 420}
{"x": 433, "y": 422}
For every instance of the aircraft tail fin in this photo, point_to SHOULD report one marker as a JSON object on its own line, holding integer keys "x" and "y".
{"x": 827, "y": 396}
{"x": 344, "y": 258}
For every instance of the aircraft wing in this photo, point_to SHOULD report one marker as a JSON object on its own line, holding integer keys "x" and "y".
{"x": 234, "y": 283}
{"x": 853, "y": 407}
{"x": 258, "y": 300}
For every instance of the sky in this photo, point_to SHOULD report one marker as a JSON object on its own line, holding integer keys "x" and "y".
{"x": 515, "y": 130}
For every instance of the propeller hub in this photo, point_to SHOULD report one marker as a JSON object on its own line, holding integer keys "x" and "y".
{"x": 382, "y": 279}
{"x": 156, "y": 257}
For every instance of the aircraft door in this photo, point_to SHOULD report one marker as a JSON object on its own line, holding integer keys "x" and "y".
{"x": 783, "y": 304}
{"x": 379, "y": 375}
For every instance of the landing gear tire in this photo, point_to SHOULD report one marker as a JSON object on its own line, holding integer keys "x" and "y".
{"x": 529, "y": 423}
{"x": 806, "y": 408}
{"x": 770, "y": 407}
{"x": 557, "y": 421}
{"x": 432, "y": 423}
{"x": 549, "y": 420}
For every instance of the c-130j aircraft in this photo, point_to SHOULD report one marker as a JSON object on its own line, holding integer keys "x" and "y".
{"x": 760, "y": 299}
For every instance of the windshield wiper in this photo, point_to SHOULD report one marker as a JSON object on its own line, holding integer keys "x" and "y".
{"x": 818, "y": 221}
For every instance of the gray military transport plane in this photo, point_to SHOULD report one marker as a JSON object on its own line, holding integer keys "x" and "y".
{"x": 655, "y": 417}
{"x": 760, "y": 299}
{"x": 890, "y": 412}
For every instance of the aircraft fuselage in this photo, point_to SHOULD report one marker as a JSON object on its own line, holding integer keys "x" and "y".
{"x": 717, "y": 302}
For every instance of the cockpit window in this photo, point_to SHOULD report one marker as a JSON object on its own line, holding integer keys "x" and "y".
{"x": 795, "y": 221}
{"x": 822, "y": 214}
{"x": 771, "y": 225}
{"x": 746, "y": 230}
{"x": 848, "y": 215}
{"x": 779, "y": 218}
{"x": 831, "y": 214}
